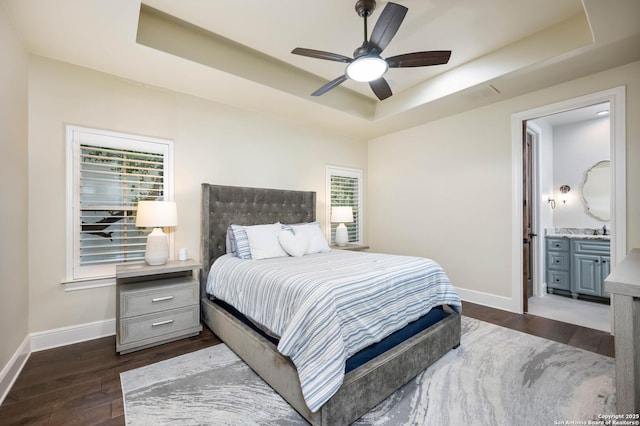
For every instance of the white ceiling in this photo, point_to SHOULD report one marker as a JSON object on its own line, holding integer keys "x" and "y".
{"x": 501, "y": 48}
{"x": 577, "y": 115}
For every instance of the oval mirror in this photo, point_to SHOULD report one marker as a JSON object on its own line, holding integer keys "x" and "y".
{"x": 596, "y": 190}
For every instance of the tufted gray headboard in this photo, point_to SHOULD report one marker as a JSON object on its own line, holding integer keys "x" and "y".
{"x": 224, "y": 205}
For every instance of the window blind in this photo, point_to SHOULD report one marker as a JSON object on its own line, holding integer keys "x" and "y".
{"x": 346, "y": 191}
{"x": 112, "y": 182}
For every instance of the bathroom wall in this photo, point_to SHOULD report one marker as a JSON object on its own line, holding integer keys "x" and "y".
{"x": 576, "y": 148}
{"x": 544, "y": 164}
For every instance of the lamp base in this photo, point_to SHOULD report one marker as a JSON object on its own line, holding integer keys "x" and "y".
{"x": 157, "y": 251}
{"x": 342, "y": 236}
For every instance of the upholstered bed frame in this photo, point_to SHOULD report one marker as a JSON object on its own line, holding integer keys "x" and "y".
{"x": 364, "y": 387}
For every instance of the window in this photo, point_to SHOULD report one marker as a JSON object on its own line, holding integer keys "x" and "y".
{"x": 108, "y": 173}
{"x": 344, "y": 188}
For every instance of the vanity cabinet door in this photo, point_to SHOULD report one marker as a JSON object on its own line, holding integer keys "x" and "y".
{"x": 605, "y": 271}
{"x": 589, "y": 267}
{"x": 587, "y": 274}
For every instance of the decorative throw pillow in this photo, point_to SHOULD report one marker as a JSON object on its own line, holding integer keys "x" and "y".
{"x": 230, "y": 242}
{"x": 239, "y": 242}
{"x": 294, "y": 244}
{"x": 263, "y": 241}
{"x": 317, "y": 240}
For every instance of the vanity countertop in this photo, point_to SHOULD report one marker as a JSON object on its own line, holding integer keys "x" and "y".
{"x": 581, "y": 236}
{"x": 579, "y": 233}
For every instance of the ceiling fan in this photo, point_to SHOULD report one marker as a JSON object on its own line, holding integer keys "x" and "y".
{"x": 366, "y": 64}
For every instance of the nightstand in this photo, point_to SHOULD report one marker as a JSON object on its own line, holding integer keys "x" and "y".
{"x": 352, "y": 247}
{"x": 156, "y": 304}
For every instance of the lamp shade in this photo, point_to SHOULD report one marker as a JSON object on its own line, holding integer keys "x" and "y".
{"x": 156, "y": 214}
{"x": 342, "y": 214}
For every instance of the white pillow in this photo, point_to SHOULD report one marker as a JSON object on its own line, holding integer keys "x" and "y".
{"x": 317, "y": 241}
{"x": 263, "y": 241}
{"x": 294, "y": 244}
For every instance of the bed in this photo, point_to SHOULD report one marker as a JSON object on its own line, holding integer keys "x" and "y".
{"x": 364, "y": 386}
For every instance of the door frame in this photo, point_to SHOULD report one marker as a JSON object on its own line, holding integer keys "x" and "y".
{"x": 617, "y": 101}
{"x": 537, "y": 251}
{"x": 538, "y": 205}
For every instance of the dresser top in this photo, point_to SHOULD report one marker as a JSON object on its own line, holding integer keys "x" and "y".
{"x": 625, "y": 278}
{"x": 128, "y": 270}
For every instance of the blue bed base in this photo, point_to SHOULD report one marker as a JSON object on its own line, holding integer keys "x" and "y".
{"x": 433, "y": 316}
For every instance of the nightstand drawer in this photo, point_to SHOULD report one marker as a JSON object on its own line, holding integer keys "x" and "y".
{"x": 157, "y": 296}
{"x": 155, "y": 326}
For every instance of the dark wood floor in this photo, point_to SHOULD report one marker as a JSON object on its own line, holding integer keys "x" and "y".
{"x": 80, "y": 384}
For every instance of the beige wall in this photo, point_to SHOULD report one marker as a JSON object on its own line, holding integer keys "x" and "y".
{"x": 213, "y": 143}
{"x": 443, "y": 189}
{"x": 14, "y": 307}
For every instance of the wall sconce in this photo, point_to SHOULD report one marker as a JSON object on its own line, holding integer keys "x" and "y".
{"x": 563, "y": 196}
{"x": 563, "y": 193}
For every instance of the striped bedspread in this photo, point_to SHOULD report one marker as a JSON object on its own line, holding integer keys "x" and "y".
{"x": 325, "y": 307}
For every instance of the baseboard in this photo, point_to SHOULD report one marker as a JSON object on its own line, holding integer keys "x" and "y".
{"x": 47, "y": 340}
{"x": 75, "y": 334}
{"x": 486, "y": 299}
{"x": 12, "y": 369}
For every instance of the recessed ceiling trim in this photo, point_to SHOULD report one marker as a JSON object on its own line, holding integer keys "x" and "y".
{"x": 169, "y": 34}
{"x": 557, "y": 40}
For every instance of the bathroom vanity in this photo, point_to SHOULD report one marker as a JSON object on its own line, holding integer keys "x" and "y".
{"x": 577, "y": 264}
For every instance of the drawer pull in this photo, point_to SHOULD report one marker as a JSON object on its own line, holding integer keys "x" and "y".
{"x": 161, "y": 299}
{"x": 156, "y": 324}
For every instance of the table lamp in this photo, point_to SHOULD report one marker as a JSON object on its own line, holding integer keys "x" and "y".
{"x": 342, "y": 215}
{"x": 156, "y": 215}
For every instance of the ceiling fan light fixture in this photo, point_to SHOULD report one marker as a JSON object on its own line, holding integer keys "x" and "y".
{"x": 367, "y": 68}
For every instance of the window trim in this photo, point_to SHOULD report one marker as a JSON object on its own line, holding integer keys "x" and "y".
{"x": 126, "y": 141}
{"x": 347, "y": 172}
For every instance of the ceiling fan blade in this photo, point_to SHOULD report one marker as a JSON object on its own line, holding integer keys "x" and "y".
{"x": 330, "y": 85}
{"x": 419, "y": 59}
{"x": 319, "y": 54}
{"x": 381, "y": 88}
{"x": 388, "y": 23}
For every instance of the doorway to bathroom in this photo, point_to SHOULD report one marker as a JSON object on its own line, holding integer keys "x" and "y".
{"x": 570, "y": 145}
{"x": 574, "y": 146}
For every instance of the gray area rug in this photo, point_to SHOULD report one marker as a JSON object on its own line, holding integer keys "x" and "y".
{"x": 497, "y": 376}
